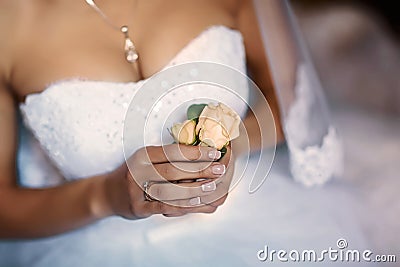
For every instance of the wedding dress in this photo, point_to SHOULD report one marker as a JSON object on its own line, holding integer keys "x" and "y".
{"x": 75, "y": 125}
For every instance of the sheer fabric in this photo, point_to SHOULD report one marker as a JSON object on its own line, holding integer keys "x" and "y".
{"x": 314, "y": 146}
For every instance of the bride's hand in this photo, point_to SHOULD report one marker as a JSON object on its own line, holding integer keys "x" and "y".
{"x": 170, "y": 173}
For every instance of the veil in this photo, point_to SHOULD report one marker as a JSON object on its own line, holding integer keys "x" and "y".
{"x": 314, "y": 146}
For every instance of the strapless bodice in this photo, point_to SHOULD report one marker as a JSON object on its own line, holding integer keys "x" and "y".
{"x": 79, "y": 123}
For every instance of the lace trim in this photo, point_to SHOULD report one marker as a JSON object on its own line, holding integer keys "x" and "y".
{"x": 315, "y": 165}
{"x": 313, "y": 160}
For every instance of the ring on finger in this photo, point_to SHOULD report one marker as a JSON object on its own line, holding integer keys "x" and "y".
{"x": 146, "y": 187}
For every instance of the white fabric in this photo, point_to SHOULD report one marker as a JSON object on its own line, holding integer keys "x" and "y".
{"x": 310, "y": 164}
{"x": 315, "y": 148}
{"x": 77, "y": 123}
{"x": 80, "y": 123}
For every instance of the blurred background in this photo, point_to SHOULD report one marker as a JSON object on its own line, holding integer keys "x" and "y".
{"x": 355, "y": 46}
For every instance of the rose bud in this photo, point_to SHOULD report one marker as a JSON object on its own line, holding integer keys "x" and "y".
{"x": 217, "y": 125}
{"x": 184, "y": 133}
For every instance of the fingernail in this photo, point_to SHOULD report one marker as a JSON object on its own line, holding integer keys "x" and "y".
{"x": 208, "y": 187}
{"x": 195, "y": 201}
{"x": 218, "y": 169}
{"x": 214, "y": 154}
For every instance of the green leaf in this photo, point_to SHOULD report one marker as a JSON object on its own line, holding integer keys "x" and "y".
{"x": 223, "y": 151}
{"x": 194, "y": 111}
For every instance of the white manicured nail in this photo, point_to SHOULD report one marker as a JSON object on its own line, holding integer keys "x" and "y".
{"x": 214, "y": 154}
{"x": 195, "y": 201}
{"x": 208, "y": 187}
{"x": 218, "y": 169}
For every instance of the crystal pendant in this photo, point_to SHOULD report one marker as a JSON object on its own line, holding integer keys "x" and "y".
{"x": 130, "y": 50}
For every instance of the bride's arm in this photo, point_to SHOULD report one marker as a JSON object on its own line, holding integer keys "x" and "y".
{"x": 25, "y": 212}
{"x": 259, "y": 71}
{"x": 31, "y": 213}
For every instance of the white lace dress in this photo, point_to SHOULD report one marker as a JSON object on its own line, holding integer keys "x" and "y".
{"x": 76, "y": 125}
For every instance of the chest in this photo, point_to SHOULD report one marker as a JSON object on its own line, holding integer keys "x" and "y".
{"x": 74, "y": 41}
{"x": 81, "y": 123}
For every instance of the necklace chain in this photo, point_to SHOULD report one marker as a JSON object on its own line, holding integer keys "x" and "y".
{"x": 101, "y": 13}
{"x": 131, "y": 54}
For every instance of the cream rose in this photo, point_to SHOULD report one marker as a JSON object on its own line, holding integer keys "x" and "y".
{"x": 217, "y": 125}
{"x": 184, "y": 133}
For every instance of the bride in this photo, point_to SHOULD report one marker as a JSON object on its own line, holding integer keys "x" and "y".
{"x": 67, "y": 196}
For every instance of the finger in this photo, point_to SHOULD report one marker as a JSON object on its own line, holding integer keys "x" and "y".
{"x": 227, "y": 158}
{"x": 217, "y": 198}
{"x": 196, "y": 204}
{"x": 156, "y": 207}
{"x": 219, "y": 195}
{"x": 203, "y": 209}
{"x": 186, "y": 170}
{"x": 174, "y": 215}
{"x": 185, "y": 195}
{"x": 219, "y": 201}
{"x": 174, "y": 152}
{"x": 188, "y": 191}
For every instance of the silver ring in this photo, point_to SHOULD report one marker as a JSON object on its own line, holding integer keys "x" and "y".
{"x": 146, "y": 187}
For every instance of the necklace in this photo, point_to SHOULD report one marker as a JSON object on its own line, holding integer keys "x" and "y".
{"x": 131, "y": 54}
